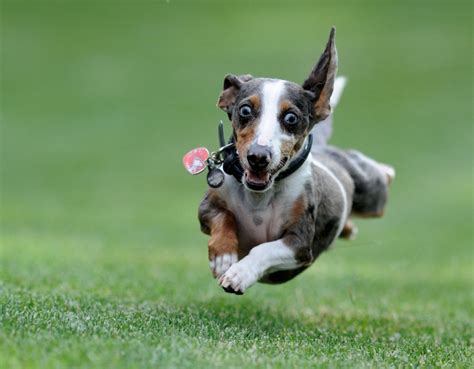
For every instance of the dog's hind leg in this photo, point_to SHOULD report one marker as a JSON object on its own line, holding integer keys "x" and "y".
{"x": 371, "y": 180}
{"x": 350, "y": 230}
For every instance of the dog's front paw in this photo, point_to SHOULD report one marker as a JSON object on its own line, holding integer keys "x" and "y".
{"x": 238, "y": 278}
{"x": 219, "y": 264}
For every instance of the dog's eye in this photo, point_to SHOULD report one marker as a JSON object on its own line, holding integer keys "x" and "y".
{"x": 245, "y": 111}
{"x": 290, "y": 119}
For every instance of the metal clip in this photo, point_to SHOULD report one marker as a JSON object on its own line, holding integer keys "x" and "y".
{"x": 217, "y": 157}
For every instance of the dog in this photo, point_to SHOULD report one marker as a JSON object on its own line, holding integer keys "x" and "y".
{"x": 290, "y": 194}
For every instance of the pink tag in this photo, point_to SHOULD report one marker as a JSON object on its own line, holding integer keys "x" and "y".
{"x": 195, "y": 160}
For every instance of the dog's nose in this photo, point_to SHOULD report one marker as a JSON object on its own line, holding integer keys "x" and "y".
{"x": 259, "y": 157}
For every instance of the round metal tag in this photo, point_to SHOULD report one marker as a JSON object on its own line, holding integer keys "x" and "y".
{"x": 215, "y": 178}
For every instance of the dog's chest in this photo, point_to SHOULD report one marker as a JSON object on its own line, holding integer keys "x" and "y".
{"x": 260, "y": 218}
{"x": 256, "y": 225}
{"x": 263, "y": 217}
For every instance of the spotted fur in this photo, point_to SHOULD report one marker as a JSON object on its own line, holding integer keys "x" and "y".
{"x": 272, "y": 233}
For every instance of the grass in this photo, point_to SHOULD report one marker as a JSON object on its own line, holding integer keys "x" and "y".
{"x": 102, "y": 262}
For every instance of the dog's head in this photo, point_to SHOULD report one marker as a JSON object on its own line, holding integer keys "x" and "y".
{"x": 271, "y": 118}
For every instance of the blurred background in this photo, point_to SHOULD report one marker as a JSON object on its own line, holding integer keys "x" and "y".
{"x": 101, "y": 99}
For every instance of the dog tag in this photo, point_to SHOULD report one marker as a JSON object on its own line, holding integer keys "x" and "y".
{"x": 215, "y": 178}
{"x": 195, "y": 160}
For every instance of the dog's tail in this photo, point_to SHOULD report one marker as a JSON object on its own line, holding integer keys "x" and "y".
{"x": 323, "y": 130}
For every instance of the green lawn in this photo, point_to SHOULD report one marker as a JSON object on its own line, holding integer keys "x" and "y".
{"x": 102, "y": 261}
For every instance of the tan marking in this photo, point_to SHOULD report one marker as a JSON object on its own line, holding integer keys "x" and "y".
{"x": 285, "y": 105}
{"x": 349, "y": 232}
{"x": 291, "y": 146}
{"x": 245, "y": 137}
{"x": 322, "y": 109}
{"x": 223, "y": 238}
{"x": 297, "y": 211}
{"x": 255, "y": 100}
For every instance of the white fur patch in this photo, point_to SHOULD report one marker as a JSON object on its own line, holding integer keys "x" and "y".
{"x": 271, "y": 91}
{"x": 269, "y": 132}
{"x": 339, "y": 85}
{"x": 343, "y": 193}
{"x": 262, "y": 259}
{"x": 221, "y": 263}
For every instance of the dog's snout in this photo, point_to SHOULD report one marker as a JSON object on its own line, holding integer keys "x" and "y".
{"x": 259, "y": 157}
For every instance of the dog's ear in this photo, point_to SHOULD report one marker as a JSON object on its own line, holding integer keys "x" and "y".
{"x": 230, "y": 91}
{"x": 321, "y": 80}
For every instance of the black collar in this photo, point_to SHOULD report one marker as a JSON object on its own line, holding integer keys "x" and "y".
{"x": 232, "y": 162}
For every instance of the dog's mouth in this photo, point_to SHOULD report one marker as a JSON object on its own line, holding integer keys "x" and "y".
{"x": 262, "y": 180}
{"x": 257, "y": 181}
